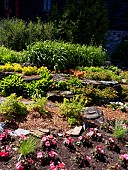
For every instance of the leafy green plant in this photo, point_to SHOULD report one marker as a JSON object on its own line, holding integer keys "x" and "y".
{"x": 72, "y": 108}
{"x": 28, "y": 146}
{"x": 59, "y": 55}
{"x": 12, "y": 84}
{"x": 29, "y": 70}
{"x": 119, "y": 131}
{"x": 12, "y": 107}
{"x": 39, "y": 104}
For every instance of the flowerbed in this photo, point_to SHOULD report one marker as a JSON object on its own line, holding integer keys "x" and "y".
{"x": 93, "y": 149}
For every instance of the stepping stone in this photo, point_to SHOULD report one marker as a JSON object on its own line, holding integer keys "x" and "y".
{"x": 20, "y": 132}
{"x": 40, "y": 132}
{"x": 75, "y": 132}
{"x": 91, "y": 113}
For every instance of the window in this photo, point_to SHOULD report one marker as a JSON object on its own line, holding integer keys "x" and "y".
{"x": 46, "y": 5}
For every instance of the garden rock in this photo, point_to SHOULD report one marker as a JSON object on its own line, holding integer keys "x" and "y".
{"x": 20, "y": 132}
{"x": 75, "y": 132}
{"x": 91, "y": 113}
{"x": 2, "y": 99}
{"x": 40, "y": 132}
{"x": 2, "y": 126}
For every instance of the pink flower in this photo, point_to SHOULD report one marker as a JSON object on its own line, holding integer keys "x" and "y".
{"x": 67, "y": 142}
{"x": 44, "y": 139}
{"x": 31, "y": 161}
{"x": 70, "y": 139}
{"x": 50, "y": 136}
{"x": 52, "y": 153}
{"x": 19, "y": 166}
{"x": 2, "y": 136}
{"x": 47, "y": 143}
{"x": 91, "y": 133}
{"x": 80, "y": 137}
{"x": 8, "y": 148}
{"x": 88, "y": 158}
{"x": 111, "y": 140}
{"x": 23, "y": 137}
{"x": 39, "y": 155}
{"x": 100, "y": 149}
{"x": 124, "y": 156}
{"x": 4, "y": 154}
{"x": 8, "y": 131}
{"x": 54, "y": 141}
{"x": 52, "y": 166}
{"x": 61, "y": 165}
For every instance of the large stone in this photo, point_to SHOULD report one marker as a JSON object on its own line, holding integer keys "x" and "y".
{"x": 91, "y": 113}
{"x": 75, "y": 132}
{"x": 40, "y": 132}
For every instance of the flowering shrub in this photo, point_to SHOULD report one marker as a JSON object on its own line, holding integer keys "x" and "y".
{"x": 123, "y": 158}
{"x": 25, "y": 164}
{"x": 5, "y": 136}
{"x": 85, "y": 140}
{"x": 94, "y": 134}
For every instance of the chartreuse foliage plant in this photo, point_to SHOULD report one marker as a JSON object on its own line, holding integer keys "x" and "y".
{"x": 12, "y": 106}
{"x": 7, "y": 55}
{"x": 72, "y": 108}
{"x": 12, "y": 84}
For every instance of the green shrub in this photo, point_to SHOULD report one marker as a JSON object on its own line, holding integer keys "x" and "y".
{"x": 59, "y": 55}
{"x": 84, "y": 22}
{"x": 13, "y": 33}
{"x": 12, "y": 84}
{"x": 72, "y": 108}
{"x": 12, "y": 107}
{"x": 39, "y": 104}
{"x": 120, "y": 54}
{"x": 38, "y": 87}
{"x": 7, "y": 55}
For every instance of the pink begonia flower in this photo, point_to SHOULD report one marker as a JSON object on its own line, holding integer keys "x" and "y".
{"x": 91, "y": 133}
{"x": 22, "y": 136}
{"x": 2, "y": 136}
{"x": 88, "y": 158}
{"x": 52, "y": 153}
{"x": 44, "y": 139}
{"x": 111, "y": 140}
{"x": 8, "y": 130}
{"x": 61, "y": 165}
{"x": 19, "y": 166}
{"x": 99, "y": 134}
{"x": 52, "y": 166}
{"x": 124, "y": 156}
{"x": 100, "y": 148}
{"x": 54, "y": 141}
{"x": 7, "y": 148}
{"x": 4, "y": 154}
{"x": 95, "y": 129}
{"x": 67, "y": 142}
{"x": 80, "y": 137}
{"x": 50, "y": 136}
{"x": 47, "y": 143}
{"x": 31, "y": 161}
{"x": 70, "y": 139}
{"x": 39, "y": 155}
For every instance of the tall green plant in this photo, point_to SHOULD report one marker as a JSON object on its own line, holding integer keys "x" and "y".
{"x": 84, "y": 22}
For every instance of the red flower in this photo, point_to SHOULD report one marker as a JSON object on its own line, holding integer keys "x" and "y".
{"x": 4, "y": 154}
